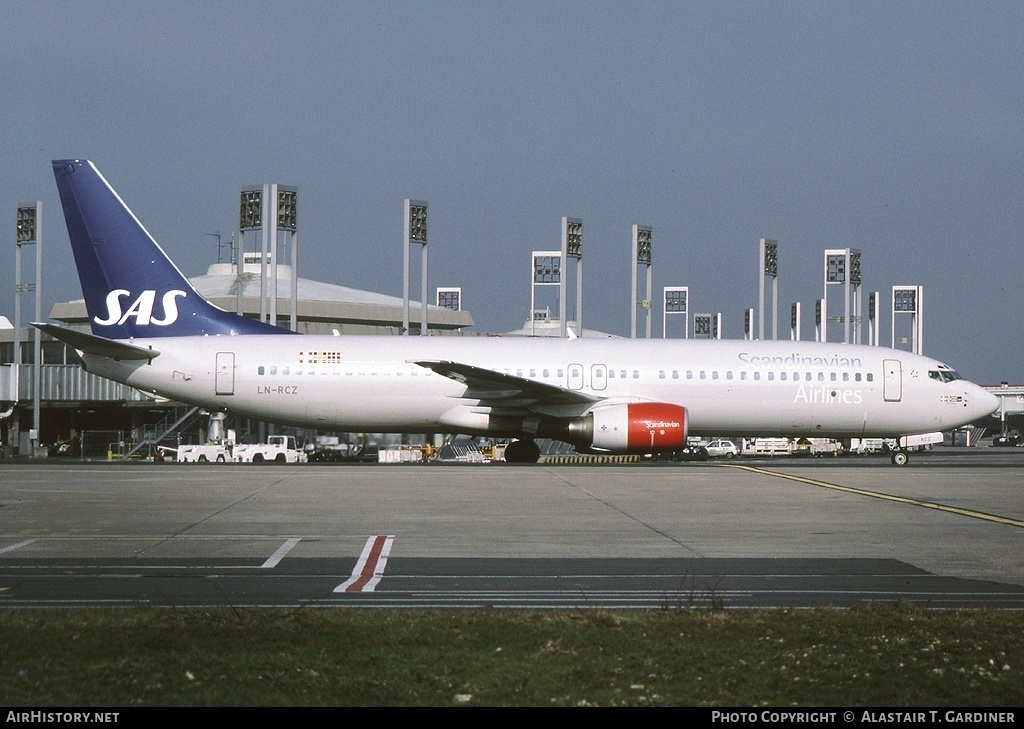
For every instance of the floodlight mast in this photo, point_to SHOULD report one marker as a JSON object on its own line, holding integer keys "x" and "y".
{"x": 707, "y": 326}
{"x": 572, "y": 247}
{"x": 450, "y": 297}
{"x": 28, "y": 231}
{"x": 855, "y": 291}
{"x": 546, "y": 270}
{"x": 250, "y": 217}
{"x": 843, "y": 268}
{"x": 287, "y": 220}
{"x": 702, "y": 326}
{"x": 769, "y": 267}
{"x": 909, "y": 300}
{"x": 874, "y": 309}
{"x": 675, "y": 301}
{"x": 794, "y": 321}
{"x": 270, "y": 209}
{"x": 641, "y": 240}
{"x": 270, "y": 219}
{"x": 415, "y": 232}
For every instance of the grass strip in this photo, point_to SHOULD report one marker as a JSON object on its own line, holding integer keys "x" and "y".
{"x": 874, "y": 656}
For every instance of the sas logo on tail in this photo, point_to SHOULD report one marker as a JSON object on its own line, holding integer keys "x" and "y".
{"x": 141, "y": 308}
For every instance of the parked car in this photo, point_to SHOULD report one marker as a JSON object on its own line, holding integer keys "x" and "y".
{"x": 722, "y": 449}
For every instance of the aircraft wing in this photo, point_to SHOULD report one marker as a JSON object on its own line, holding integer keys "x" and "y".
{"x": 505, "y": 390}
{"x": 91, "y": 344}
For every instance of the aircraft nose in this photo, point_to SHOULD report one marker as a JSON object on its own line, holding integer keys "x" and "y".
{"x": 984, "y": 402}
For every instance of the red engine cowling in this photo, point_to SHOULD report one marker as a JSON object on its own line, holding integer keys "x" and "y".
{"x": 638, "y": 427}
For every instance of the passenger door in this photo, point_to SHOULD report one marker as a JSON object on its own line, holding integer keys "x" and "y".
{"x": 225, "y": 373}
{"x": 892, "y": 381}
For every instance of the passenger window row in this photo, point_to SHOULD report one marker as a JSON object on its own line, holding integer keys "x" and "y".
{"x": 545, "y": 373}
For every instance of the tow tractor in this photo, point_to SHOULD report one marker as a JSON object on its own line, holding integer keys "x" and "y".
{"x": 212, "y": 452}
{"x": 278, "y": 448}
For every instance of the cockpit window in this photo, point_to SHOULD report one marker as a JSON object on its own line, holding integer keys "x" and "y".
{"x": 944, "y": 375}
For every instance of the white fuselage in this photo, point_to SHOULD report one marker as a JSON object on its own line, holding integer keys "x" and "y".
{"x": 728, "y": 387}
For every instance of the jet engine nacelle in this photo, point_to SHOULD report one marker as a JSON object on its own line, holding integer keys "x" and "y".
{"x": 636, "y": 427}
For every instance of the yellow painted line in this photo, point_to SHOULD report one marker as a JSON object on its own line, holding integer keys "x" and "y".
{"x": 886, "y": 497}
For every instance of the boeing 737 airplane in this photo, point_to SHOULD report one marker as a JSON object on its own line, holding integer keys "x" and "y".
{"x": 151, "y": 330}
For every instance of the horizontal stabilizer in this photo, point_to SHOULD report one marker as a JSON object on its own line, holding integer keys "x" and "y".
{"x": 100, "y": 346}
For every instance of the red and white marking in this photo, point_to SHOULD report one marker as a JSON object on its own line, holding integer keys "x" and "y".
{"x": 370, "y": 567}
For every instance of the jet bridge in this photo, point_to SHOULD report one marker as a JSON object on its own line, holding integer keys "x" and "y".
{"x": 1011, "y": 404}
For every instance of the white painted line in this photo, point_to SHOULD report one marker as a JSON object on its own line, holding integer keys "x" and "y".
{"x": 19, "y": 545}
{"x": 280, "y": 554}
{"x": 370, "y": 567}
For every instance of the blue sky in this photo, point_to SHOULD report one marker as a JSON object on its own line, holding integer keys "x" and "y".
{"x": 895, "y": 128}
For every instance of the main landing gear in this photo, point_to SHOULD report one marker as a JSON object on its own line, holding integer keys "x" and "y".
{"x": 522, "y": 451}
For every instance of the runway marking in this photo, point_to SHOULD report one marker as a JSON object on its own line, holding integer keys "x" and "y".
{"x": 280, "y": 554}
{"x": 370, "y": 567}
{"x": 887, "y": 497}
{"x": 19, "y": 545}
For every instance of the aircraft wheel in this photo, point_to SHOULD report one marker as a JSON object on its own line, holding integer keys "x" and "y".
{"x": 900, "y": 458}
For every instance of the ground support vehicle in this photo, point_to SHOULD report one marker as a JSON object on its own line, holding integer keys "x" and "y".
{"x": 767, "y": 447}
{"x": 211, "y": 452}
{"x": 278, "y": 448}
{"x": 817, "y": 447}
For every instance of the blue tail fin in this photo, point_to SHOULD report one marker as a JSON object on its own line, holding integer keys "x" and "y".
{"x": 131, "y": 287}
